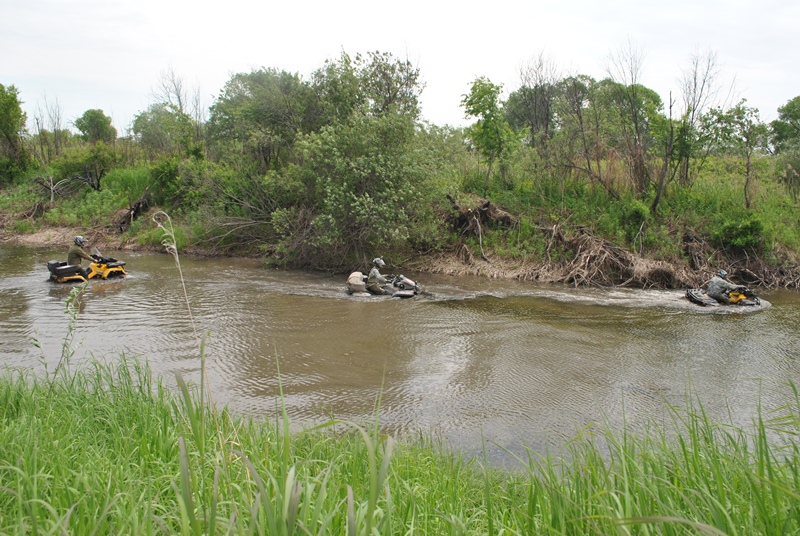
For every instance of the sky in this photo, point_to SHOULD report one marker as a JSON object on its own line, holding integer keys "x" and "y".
{"x": 76, "y": 55}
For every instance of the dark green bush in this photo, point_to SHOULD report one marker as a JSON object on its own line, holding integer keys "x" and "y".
{"x": 740, "y": 234}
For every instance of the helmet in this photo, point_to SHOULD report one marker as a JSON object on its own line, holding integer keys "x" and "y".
{"x": 722, "y": 273}
{"x": 377, "y": 261}
{"x": 80, "y": 241}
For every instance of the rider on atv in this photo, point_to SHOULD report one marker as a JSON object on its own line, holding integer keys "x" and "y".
{"x": 76, "y": 252}
{"x": 375, "y": 279}
{"x": 720, "y": 288}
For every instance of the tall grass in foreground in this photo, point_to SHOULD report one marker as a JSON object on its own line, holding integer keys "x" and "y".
{"x": 109, "y": 450}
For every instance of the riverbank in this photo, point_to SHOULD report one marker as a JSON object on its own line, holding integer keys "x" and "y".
{"x": 595, "y": 262}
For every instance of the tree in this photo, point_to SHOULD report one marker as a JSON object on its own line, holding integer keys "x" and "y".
{"x": 391, "y": 86}
{"x": 491, "y": 133}
{"x": 96, "y": 126}
{"x": 532, "y": 106}
{"x": 739, "y": 131}
{"x": 14, "y": 158}
{"x": 262, "y": 113}
{"x": 785, "y": 131}
{"x": 163, "y": 130}
{"x": 377, "y": 84}
{"x": 85, "y": 163}
{"x": 361, "y": 182}
{"x": 634, "y": 104}
{"x": 699, "y": 89}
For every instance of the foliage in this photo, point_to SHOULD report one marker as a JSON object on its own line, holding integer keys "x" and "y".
{"x": 323, "y": 170}
{"x": 785, "y": 131}
{"x": 14, "y": 158}
{"x": 532, "y": 110}
{"x": 163, "y": 130}
{"x": 363, "y": 182}
{"x": 740, "y": 234}
{"x": 375, "y": 84}
{"x": 263, "y": 112}
{"x": 95, "y": 126}
{"x": 739, "y": 131}
{"x": 634, "y": 216}
{"x": 182, "y": 184}
{"x": 788, "y": 166}
{"x": 491, "y": 133}
{"x": 131, "y": 183}
{"x": 87, "y": 163}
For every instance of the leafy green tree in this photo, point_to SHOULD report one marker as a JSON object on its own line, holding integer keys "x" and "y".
{"x": 95, "y": 126}
{"x": 261, "y": 114}
{"x": 338, "y": 87}
{"x": 361, "y": 182}
{"x": 163, "y": 130}
{"x": 533, "y": 106}
{"x": 532, "y": 109}
{"x": 14, "y": 158}
{"x": 85, "y": 163}
{"x": 374, "y": 84}
{"x": 785, "y": 131}
{"x": 739, "y": 131}
{"x": 633, "y": 112}
{"x": 491, "y": 133}
{"x": 389, "y": 85}
{"x": 582, "y": 141}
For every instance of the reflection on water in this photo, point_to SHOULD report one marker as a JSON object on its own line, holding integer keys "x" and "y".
{"x": 521, "y": 365}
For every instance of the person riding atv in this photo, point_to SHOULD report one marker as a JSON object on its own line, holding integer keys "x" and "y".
{"x": 375, "y": 280}
{"x": 720, "y": 288}
{"x": 76, "y": 253}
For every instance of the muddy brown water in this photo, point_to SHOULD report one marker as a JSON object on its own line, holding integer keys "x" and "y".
{"x": 519, "y": 365}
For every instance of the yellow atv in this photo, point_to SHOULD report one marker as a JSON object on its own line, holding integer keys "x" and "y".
{"x": 741, "y": 296}
{"x": 101, "y": 268}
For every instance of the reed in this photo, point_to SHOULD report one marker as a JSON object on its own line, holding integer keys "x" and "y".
{"x": 109, "y": 450}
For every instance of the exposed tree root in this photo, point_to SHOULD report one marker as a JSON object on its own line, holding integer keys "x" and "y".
{"x": 598, "y": 262}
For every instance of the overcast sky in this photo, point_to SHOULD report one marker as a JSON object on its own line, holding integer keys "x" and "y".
{"x": 111, "y": 54}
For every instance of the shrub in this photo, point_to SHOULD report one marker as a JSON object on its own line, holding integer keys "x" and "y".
{"x": 740, "y": 234}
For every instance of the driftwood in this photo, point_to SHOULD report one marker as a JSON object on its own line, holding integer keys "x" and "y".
{"x": 36, "y": 211}
{"x": 61, "y": 188}
{"x": 469, "y": 220}
{"x": 126, "y": 217}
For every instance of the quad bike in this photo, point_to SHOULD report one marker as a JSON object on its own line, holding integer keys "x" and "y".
{"x": 397, "y": 286}
{"x": 101, "y": 268}
{"x": 740, "y": 297}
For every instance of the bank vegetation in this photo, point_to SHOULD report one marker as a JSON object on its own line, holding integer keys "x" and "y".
{"x": 565, "y": 178}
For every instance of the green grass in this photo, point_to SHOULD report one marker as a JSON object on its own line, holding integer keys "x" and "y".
{"x": 109, "y": 450}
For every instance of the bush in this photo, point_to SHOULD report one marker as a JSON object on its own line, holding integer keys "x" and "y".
{"x": 129, "y": 183}
{"x": 741, "y": 234}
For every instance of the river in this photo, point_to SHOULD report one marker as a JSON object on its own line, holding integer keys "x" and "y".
{"x": 518, "y": 365}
